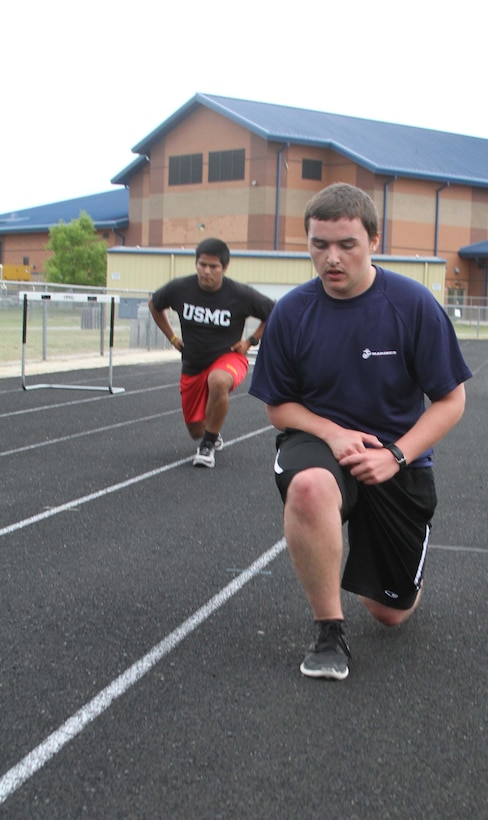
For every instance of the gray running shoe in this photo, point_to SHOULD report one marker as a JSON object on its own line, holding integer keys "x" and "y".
{"x": 205, "y": 456}
{"x": 329, "y": 656}
{"x": 219, "y": 444}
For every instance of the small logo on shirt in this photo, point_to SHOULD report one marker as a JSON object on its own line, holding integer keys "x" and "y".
{"x": 391, "y": 594}
{"x": 367, "y": 353}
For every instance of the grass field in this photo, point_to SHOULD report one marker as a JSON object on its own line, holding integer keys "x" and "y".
{"x": 57, "y": 332}
{"x": 471, "y": 330}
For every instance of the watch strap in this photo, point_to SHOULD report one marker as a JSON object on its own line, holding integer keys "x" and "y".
{"x": 397, "y": 455}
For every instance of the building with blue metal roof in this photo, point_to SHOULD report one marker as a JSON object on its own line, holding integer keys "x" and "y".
{"x": 244, "y": 171}
{"x": 25, "y": 233}
{"x": 380, "y": 147}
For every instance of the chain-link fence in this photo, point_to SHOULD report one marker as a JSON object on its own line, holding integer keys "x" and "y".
{"x": 62, "y": 330}
{"x": 77, "y": 329}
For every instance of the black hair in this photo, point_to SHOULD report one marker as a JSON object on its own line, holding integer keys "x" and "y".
{"x": 214, "y": 247}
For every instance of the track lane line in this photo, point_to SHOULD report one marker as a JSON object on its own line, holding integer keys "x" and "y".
{"x": 114, "y": 488}
{"x": 95, "y": 430}
{"x": 56, "y": 406}
{"x": 71, "y": 436}
{"x": 15, "y": 777}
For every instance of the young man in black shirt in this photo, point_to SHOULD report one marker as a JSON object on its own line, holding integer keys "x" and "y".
{"x": 212, "y": 310}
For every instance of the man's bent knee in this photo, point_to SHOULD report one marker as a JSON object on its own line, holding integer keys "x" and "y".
{"x": 387, "y": 615}
{"x": 220, "y": 381}
{"x": 311, "y": 487}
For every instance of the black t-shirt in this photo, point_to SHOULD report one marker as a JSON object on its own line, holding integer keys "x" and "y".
{"x": 211, "y": 321}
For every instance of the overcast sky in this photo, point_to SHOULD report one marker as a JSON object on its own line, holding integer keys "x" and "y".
{"x": 82, "y": 84}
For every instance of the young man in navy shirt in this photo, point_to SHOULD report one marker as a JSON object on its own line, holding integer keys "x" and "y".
{"x": 344, "y": 365}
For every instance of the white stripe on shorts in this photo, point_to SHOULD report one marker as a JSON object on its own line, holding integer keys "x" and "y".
{"x": 422, "y": 557}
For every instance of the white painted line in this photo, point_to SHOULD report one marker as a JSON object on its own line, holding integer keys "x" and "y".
{"x": 84, "y": 401}
{"x": 455, "y": 548}
{"x": 476, "y": 370}
{"x": 99, "y": 429}
{"x": 114, "y": 488}
{"x": 88, "y": 432}
{"x": 38, "y": 757}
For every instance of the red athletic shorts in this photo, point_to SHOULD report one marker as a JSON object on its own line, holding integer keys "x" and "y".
{"x": 194, "y": 389}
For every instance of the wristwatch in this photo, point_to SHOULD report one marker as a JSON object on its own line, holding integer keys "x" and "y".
{"x": 397, "y": 455}
{"x": 253, "y": 341}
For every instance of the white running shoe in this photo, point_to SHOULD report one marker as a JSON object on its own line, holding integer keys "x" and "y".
{"x": 205, "y": 456}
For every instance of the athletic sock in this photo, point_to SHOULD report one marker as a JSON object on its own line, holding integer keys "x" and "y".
{"x": 209, "y": 438}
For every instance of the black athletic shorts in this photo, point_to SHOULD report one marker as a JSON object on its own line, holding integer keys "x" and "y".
{"x": 388, "y": 523}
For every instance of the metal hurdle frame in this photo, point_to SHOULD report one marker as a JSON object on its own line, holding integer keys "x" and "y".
{"x": 24, "y": 296}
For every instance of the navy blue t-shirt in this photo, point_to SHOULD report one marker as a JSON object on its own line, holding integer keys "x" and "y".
{"x": 365, "y": 363}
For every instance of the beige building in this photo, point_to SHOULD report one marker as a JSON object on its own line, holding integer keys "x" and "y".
{"x": 243, "y": 171}
{"x": 271, "y": 272}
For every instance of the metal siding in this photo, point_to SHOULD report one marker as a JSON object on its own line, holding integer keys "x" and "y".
{"x": 139, "y": 270}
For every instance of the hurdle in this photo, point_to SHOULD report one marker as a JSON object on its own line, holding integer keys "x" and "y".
{"x": 69, "y": 297}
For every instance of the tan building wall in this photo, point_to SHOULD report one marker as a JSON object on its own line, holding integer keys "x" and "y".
{"x": 145, "y": 270}
{"x": 139, "y": 209}
{"x": 412, "y": 220}
{"x": 184, "y": 214}
{"x": 244, "y": 212}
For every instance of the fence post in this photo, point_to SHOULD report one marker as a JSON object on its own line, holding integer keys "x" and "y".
{"x": 44, "y": 331}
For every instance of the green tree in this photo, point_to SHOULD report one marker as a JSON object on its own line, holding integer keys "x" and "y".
{"x": 79, "y": 257}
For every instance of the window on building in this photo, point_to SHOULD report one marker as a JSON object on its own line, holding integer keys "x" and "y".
{"x": 226, "y": 165}
{"x": 312, "y": 169}
{"x": 185, "y": 169}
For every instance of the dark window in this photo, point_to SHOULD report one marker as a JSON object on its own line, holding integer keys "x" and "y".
{"x": 185, "y": 169}
{"x": 225, "y": 165}
{"x": 25, "y": 260}
{"x": 312, "y": 169}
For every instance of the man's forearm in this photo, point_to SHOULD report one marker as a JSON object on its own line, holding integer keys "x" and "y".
{"x": 434, "y": 424}
{"x": 161, "y": 320}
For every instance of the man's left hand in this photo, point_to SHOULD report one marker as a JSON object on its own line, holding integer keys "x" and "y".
{"x": 241, "y": 347}
{"x": 373, "y": 466}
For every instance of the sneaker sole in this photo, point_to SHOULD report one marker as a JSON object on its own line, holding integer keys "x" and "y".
{"x": 201, "y": 463}
{"x": 330, "y": 674}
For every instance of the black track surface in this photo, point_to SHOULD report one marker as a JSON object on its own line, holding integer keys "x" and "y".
{"x": 110, "y": 541}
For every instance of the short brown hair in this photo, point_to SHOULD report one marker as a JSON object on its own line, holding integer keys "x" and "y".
{"x": 342, "y": 200}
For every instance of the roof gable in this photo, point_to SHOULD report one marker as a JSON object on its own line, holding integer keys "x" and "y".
{"x": 381, "y": 147}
